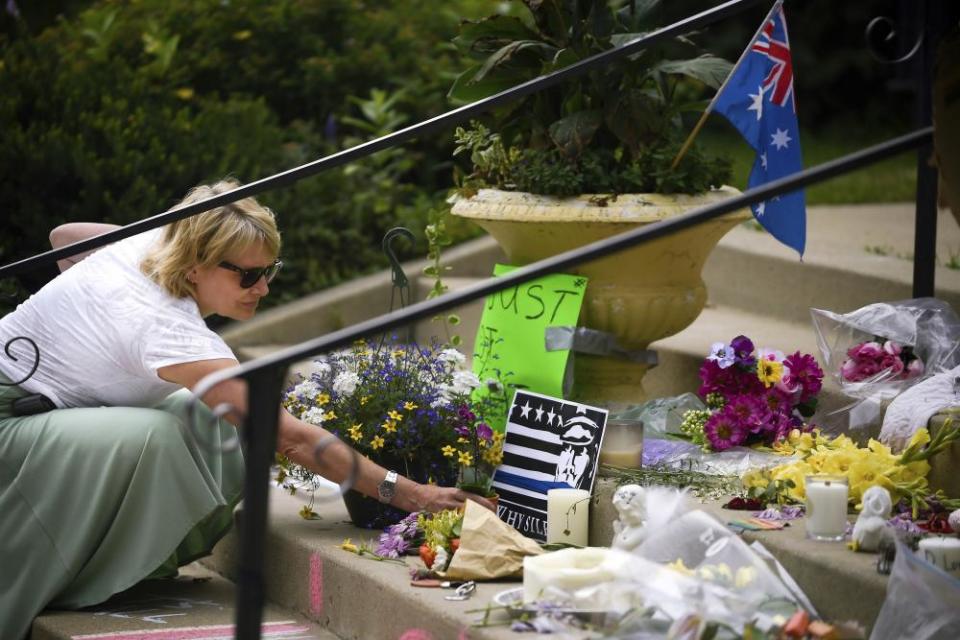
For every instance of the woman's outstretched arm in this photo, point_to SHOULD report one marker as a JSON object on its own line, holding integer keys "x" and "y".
{"x": 71, "y": 232}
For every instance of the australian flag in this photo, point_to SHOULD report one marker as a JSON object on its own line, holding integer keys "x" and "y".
{"x": 758, "y": 99}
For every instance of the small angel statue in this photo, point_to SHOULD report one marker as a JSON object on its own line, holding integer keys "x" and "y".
{"x": 641, "y": 511}
{"x": 870, "y": 528}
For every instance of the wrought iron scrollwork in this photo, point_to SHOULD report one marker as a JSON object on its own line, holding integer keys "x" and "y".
{"x": 36, "y": 362}
{"x": 883, "y": 37}
{"x": 199, "y": 426}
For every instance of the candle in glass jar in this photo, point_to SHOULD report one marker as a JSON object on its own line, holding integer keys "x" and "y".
{"x": 826, "y": 507}
{"x": 942, "y": 552}
{"x": 567, "y": 511}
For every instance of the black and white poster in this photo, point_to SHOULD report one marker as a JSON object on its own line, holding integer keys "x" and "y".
{"x": 550, "y": 443}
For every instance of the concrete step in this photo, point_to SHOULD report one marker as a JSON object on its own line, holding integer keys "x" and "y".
{"x": 199, "y": 604}
{"x": 307, "y": 570}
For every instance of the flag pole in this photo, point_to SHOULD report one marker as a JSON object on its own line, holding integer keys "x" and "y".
{"x": 706, "y": 112}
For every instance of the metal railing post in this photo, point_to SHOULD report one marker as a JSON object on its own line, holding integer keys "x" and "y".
{"x": 925, "y": 226}
{"x": 260, "y": 439}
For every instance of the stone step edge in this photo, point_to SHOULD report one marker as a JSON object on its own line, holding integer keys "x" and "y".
{"x": 827, "y": 572}
{"x": 200, "y": 603}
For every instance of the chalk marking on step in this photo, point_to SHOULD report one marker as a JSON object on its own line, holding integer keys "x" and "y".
{"x": 287, "y": 630}
{"x": 316, "y": 584}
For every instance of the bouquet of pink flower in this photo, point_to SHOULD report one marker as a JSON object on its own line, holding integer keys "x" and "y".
{"x": 880, "y": 360}
{"x": 753, "y": 397}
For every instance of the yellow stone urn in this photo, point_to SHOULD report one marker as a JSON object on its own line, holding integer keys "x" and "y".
{"x": 639, "y": 295}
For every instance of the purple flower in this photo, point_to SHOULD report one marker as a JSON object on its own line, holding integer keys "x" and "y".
{"x": 722, "y": 354}
{"x": 484, "y": 432}
{"x": 462, "y": 430}
{"x": 724, "y": 431}
{"x": 750, "y": 411}
{"x": 743, "y": 351}
{"x": 465, "y": 413}
{"x": 803, "y": 371}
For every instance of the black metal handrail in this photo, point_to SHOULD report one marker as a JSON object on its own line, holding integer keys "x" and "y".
{"x": 265, "y": 375}
{"x": 425, "y": 128}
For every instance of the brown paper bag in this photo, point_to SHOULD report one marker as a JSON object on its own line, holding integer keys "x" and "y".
{"x": 489, "y": 547}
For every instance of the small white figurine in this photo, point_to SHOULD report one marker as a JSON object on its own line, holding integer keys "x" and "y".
{"x": 954, "y": 521}
{"x": 871, "y": 526}
{"x": 642, "y": 510}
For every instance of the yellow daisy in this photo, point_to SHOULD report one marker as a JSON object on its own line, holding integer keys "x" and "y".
{"x": 329, "y": 415}
{"x": 769, "y": 372}
{"x": 409, "y": 406}
{"x": 448, "y": 451}
{"x": 364, "y": 400}
{"x": 395, "y": 416}
{"x": 376, "y": 443}
{"x": 389, "y": 426}
{"x": 465, "y": 458}
{"x": 323, "y": 399}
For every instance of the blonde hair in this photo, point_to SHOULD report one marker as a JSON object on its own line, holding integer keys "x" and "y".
{"x": 205, "y": 239}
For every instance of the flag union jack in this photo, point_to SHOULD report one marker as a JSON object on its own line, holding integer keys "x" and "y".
{"x": 774, "y": 44}
{"x": 758, "y": 99}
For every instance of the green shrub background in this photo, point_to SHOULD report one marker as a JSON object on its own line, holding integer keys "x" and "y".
{"x": 110, "y": 110}
{"x": 113, "y": 112}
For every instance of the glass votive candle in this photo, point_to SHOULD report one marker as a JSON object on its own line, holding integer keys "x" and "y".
{"x": 826, "y": 507}
{"x": 942, "y": 552}
{"x": 622, "y": 444}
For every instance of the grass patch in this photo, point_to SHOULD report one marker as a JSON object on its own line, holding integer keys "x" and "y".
{"x": 893, "y": 180}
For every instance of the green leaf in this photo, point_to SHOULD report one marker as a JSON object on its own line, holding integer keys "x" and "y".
{"x": 637, "y": 118}
{"x": 510, "y": 52}
{"x": 573, "y": 133}
{"x": 465, "y": 89}
{"x": 490, "y": 34}
{"x": 708, "y": 69}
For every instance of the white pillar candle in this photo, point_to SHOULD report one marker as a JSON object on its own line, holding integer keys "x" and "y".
{"x": 565, "y": 571}
{"x": 826, "y": 507}
{"x": 567, "y": 516}
{"x": 942, "y": 552}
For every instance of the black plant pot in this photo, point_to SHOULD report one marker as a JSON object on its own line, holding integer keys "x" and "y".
{"x": 368, "y": 513}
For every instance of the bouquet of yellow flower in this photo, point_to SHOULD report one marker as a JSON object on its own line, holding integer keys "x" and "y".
{"x": 904, "y": 475}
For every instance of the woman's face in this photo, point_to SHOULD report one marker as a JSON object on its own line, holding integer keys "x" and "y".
{"x": 218, "y": 290}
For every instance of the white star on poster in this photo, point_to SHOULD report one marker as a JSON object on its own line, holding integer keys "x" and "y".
{"x": 581, "y": 408}
{"x": 550, "y": 416}
{"x": 757, "y": 104}
{"x": 763, "y": 160}
{"x": 781, "y": 139}
{"x": 539, "y": 411}
{"x": 761, "y": 208}
{"x": 525, "y": 410}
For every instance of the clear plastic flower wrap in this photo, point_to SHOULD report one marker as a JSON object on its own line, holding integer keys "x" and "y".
{"x": 692, "y": 569}
{"x": 877, "y": 351}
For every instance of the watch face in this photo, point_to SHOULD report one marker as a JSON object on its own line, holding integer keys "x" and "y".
{"x": 388, "y": 487}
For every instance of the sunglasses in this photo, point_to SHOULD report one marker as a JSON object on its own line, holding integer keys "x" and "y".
{"x": 250, "y": 277}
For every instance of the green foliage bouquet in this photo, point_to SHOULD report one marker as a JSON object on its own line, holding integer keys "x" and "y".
{"x": 614, "y": 130}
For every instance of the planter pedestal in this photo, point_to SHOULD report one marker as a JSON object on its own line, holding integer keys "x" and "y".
{"x": 639, "y": 295}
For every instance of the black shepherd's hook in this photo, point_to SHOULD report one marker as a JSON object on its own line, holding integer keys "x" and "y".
{"x": 398, "y": 277}
{"x": 882, "y": 36}
{"x": 36, "y": 361}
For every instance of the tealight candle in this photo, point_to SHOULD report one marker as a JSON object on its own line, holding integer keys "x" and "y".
{"x": 622, "y": 444}
{"x": 826, "y": 507}
{"x": 942, "y": 552}
{"x": 567, "y": 516}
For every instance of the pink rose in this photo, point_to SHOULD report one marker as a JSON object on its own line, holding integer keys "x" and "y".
{"x": 914, "y": 369}
{"x": 893, "y": 364}
{"x": 871, "y": 350}
{"x": 892, "y": 348}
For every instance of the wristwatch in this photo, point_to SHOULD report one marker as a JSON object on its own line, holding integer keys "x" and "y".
{"x": 388, "y": 487}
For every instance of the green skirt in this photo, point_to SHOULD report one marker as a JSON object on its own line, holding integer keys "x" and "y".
{"x": 93, "y": 501}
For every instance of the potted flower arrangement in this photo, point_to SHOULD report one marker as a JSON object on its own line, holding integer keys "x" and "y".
{"x": 478, "y": 451}
{"x": 590, "y": 158}
{"x": 397, "y": 404}
{"x": 753, "y": 396}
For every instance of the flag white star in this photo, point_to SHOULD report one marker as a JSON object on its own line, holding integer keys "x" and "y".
{"x": 761, "y": 208}
{"x": 757, "y": 104}
{"x": 781, "y": 139}
{"x": 525, "y": 409}
{"x": 539, "y": 411}
{"x": 581, "y": 408}
{"x": 763, "y": 160}
{"x": 550, "y": 415}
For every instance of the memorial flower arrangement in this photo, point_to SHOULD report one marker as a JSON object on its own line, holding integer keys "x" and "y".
{"x": 753, "y": 396}
{"x": 398, "y": 404}
{"x": 904, "y": 475}
{"x": 478, "y": 450}
{"x": 880, "y": 359}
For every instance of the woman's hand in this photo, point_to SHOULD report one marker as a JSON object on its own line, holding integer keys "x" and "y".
{"x": 432, "y": 498}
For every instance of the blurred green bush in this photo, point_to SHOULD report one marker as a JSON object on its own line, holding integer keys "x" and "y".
{"x": 112, "y": 114}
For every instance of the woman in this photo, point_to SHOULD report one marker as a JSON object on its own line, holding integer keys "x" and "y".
{"x": 101, "y": 483}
